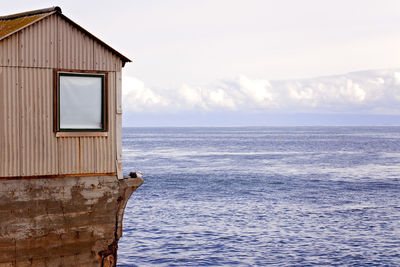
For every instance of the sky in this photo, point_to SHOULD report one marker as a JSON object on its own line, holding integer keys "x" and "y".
{"x": 249, "y": 62}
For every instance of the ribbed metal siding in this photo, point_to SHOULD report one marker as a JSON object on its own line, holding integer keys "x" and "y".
{"x": 69, "y": 155}
{"x": 103, "y": 155}
{"x": 104, "y": 60}
{"x": 105, "y": 147}
{"x": 38, "y": 145}
{"x": 9, "y": 51}
{"x": 9, "y": 122}
{"x": 88, "y": 155}
{"x": 112, "y": 148}
{"x": 75, "y": 49}
{"x": 38, "y": 44}
{"x": 94, "y": 154}
{"x": 91, "y": 154}
{"x": 26, "y": 102}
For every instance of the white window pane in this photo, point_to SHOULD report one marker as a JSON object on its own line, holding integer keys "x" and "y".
{"x": 80, "y": 102}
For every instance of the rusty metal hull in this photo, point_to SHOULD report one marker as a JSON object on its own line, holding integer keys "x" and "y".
{"x": 71, "y": 221}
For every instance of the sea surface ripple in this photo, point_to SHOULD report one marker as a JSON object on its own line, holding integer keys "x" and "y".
{"x": 263, "y": 196}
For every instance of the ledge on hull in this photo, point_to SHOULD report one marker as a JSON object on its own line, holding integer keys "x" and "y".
{"x": 73, "y": 221}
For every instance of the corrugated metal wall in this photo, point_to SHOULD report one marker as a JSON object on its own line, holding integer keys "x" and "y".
{"x": 9, "y": 51}
{"x": 104, "y": 60}
{"x": 9, "y": 122}
{"x": 38, "y": 146}
{"x": 98, "y": 154}
{"x": 75, "y": 48}
{"x": 28, "y": 145}
{"x": 38, "y": 44}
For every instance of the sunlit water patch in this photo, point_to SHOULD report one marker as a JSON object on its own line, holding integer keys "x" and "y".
{"x": 263, "y": 197}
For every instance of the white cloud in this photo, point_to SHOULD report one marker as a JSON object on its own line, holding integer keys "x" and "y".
{"x": 358, "y": 92}
{"x": 136, "y": 97}
{"x": 219, "y": 98}
{"x": 259, "y": 90}
{"x": 190, "y": 95}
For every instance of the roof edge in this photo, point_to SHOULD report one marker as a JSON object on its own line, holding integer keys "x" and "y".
{"x": 27, "y": 25}
{"x": 57, "y": 10}
{"x": 32, "y": 13}
{"x": 123, "y": 58}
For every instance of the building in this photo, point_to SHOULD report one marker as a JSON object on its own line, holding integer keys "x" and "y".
{"x": 62, "y": 188}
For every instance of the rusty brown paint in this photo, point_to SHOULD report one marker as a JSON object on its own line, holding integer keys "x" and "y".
{"x": 109, "y": 261}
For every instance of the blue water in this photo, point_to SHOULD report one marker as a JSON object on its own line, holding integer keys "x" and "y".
{"x": 295, "y": 196}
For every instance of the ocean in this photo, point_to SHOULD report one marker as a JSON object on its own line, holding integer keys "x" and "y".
{"x": 263, "y": 196}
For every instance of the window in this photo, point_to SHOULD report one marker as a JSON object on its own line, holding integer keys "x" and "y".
{"x": 80, "y": 102}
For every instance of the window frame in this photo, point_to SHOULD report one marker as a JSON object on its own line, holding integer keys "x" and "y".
{"x": 56, "y": 101}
